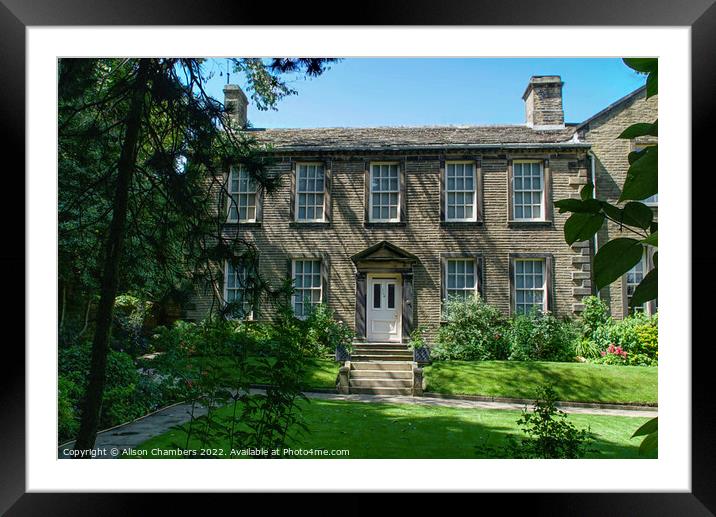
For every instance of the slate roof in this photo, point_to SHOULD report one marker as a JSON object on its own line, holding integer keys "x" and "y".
{"x": 420, "y": 137}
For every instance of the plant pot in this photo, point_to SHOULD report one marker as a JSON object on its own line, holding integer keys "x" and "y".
{"x": 342, "y": 354}
{"x": 421, "y": 354}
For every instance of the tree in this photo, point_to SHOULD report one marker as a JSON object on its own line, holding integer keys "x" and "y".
{"x": 619, "y": 255}
{"x": 141, "y": 140}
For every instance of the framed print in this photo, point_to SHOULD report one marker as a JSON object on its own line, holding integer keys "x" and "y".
{"x": 258, "y": 270}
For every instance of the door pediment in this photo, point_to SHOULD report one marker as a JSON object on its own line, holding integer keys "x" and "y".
{"x": 384, "y": 256}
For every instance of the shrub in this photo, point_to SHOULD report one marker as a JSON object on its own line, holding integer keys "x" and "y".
{"x": 67, "y": 417}
{"x": 325, "y": 334}
{"x": 417, "y": 337}
{"x": 614, "y": 355}
{"x": 586, "y": 348}
{"x": 121, "y": 400}
{"x": 549, "y": 434}
{"x": 129, "y": 315}
{"x": 540, "y": 336}
{"x": 474, "y": 330}
{"x": 636, "y": 334}
{"x": 594, "y": 316}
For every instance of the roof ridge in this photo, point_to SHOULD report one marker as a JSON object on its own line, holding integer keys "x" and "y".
{"x": 425, "y": 126}
{"x": 613, "y": 105}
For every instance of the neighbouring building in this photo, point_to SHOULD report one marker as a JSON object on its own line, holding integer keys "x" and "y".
{"x": 384, "y": 223}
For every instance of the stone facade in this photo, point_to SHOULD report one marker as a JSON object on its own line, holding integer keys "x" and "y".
{"x": 611, "y": 165}
{"x": 422, "y": 232}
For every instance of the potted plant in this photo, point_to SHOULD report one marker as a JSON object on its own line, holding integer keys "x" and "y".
{"x": 342, "y": 335}
{"x": 421, "y": 351}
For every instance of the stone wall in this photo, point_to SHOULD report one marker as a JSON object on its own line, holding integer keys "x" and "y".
{"x": 611, "y": 166}
{"x": 422, "y": 234}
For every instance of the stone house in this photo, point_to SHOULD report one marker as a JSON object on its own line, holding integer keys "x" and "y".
{"x": 384, "y": 223}
{"x": 609, "y": 166}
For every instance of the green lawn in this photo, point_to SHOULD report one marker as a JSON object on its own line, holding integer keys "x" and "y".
{"x": 373, "y": 430}
{"x": 321, "y": 373}
{"x": 580, "y": 382}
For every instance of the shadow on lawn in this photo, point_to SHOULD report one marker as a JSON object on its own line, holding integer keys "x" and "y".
{"x": 373, "y": 430}
{"x": 408, "y": 431}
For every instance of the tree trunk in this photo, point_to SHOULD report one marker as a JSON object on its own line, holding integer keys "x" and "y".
{"x": 108, "y": 290}
{"x": 87, "y": 313}
{"x": 64, "y": 298}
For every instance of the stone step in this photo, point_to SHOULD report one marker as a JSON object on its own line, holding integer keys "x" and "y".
{"x": 382, "y": 391}
{"x": 381, "y": 374}
{"x": 393, "y": 366}
{"x": 381, "y": 351}
{"x": 381, "y": 383}
{"x": 381, "y": 357}
{"x": 396, "y": 348}
{"x": 388, "y": 346}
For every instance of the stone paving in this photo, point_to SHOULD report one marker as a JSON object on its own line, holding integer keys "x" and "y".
{"x": 132, "y": 434}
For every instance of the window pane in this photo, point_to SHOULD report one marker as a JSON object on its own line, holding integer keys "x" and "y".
{"x": 376, "y": 296}
{"x": 391, "y": 296}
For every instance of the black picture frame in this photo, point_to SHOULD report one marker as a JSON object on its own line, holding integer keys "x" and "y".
{"x": 16, "y": 15}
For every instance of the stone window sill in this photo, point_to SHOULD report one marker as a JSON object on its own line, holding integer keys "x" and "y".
{"x": 309, "y": 225}
{"x": 256, "y": 224}
{"x": 398, "y": 224}
{"x": 461, "y": 224}
{"x": 530, "y": 224}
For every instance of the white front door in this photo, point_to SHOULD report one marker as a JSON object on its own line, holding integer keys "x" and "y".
{"x": 384, "y": 309}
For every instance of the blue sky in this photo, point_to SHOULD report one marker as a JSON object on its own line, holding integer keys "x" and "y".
{"x": 436, "y": 91}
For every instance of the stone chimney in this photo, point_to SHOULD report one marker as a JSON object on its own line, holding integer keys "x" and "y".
{"x": 543, "y": 102}
{"x": 236, "y": 104}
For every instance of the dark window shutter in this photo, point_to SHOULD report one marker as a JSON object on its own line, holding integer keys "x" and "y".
{"x": 443, "y": 285}
{"x": 510, "y": 209}
{"x": 479, "y": 194}
{"x": 292, "y": 197}
{"x": 548, "y": 207}
{"x": 442, "y": 190}
{"x": 259, "y": 204}
{"x": 403, "y": 189}
{"x": 360, "y": 315}
{"x": 549, "y": 281}
{"x": 289, "y": 276}
{"x": 328, "y": 191}
{"x": 511, "y": 274}
{"x": 407, "y": 305}
{"x": 366, "y": 191}
{"x": 480, "y": 275}
{"x": 325, "y": 277}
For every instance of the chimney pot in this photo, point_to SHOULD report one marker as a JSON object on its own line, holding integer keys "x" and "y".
{"x": 543, "y": 102}
{"x": 236, "y": 104}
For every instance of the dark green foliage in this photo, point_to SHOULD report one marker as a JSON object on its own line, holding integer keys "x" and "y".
{"x": 637, "y": 335}
{"x": 266, "y": 84}
{"x": 125, "y": 397}
{"x": 474, "y": 330}
{"x": 594, "y": 315}
{"x": 325, "y": 334}
{"x": 130, "y": 313}
{"x": 215, "y": 363}
{"x": 417, "y": 337}
{"x": 68, "y": 393}
{"x": 541, "y": 337}
{"x": 548, "y": 434}
{"x": 142, "y": 156}
{"x": 650, "y": 431}
{"x": 615, "y": 258}
{"x": 582, "y": 226}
